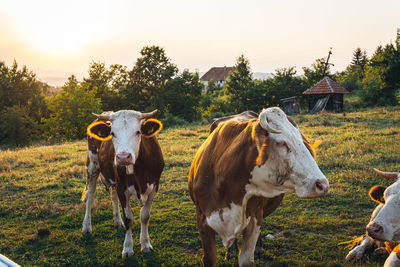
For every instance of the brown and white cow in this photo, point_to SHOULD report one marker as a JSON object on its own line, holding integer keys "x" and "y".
{"x": 242, "y": 166}
{"x": 383, "y": 230}
{"x": 123, "y": 149}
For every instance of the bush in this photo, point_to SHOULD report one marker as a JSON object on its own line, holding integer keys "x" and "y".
{"x": 17, "y": 127}
{"x": 171, "y": 120}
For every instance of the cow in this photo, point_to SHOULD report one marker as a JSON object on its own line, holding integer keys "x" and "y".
{"x": 123, "y": 149}
{"x": 244, "y": 167}
{"x": 383, "y": 230}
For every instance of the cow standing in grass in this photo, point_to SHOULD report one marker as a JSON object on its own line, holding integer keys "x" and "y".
{"x": 244, "y": 166}
{"x": 383, "y": 230}
{"x": 123, "y": 149}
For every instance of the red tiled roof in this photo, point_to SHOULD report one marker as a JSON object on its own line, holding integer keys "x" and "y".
{"x": 326, "y": 86}
{"x": 217, "y": 73}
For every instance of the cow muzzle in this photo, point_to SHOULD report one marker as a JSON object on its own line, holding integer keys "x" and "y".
{"x": 124, "y": 159}
{"x": 321, "y": 188}
{"x": 375, "y": 231}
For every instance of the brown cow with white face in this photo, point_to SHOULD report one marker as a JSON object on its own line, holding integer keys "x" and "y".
{"x": 384, "y": 228}
{"x": 240, "y": 167}
{"x": 123, "y": 149}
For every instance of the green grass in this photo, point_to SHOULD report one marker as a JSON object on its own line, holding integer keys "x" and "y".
{"x": 41, "y": 186}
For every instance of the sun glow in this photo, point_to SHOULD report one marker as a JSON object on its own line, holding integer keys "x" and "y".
{"x": 58, "y": 28}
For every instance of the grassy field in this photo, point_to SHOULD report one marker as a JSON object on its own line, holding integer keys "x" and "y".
{"x": 41, "y": 213}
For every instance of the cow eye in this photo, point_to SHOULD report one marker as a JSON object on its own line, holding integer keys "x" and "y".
{"x": 112, "y": 133}
{"x": 138, "y": 133}
{"x": 283, "y": 144}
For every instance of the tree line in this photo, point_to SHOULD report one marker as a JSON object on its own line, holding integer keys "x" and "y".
{"x": 30, "y": 111}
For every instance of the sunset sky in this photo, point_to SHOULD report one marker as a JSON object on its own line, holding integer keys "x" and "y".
{"x": 59, "y": 38}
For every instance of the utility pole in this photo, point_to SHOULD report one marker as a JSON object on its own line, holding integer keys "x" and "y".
{"x": 327, "y": 62}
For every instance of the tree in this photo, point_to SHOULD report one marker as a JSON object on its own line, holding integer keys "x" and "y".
{"x": 151, "y": 73}
{"x": 240, "y": 86}
{"x": 181, "y": 95}
{"x": 19, "y": 87}
{"x": 108, "y": 83}
{"x": 382, "y": 79}
{"x": 70, "y": 111}
{"x": 359, "y": 58}
{"x": 351, "y": 77}
{"x": 316, "y": 72}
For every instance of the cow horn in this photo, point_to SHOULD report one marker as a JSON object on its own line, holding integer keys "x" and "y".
{"x": 103, "y": 116}
{"x": 149, "y": 114}
{"x": 390, "y": 175}
{"x": 264, "y": 124}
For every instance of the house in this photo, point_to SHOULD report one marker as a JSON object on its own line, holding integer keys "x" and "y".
{"x": 325, "y": 94}
{"x": 218, "y": 74}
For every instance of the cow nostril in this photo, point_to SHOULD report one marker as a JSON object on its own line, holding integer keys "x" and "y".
{"x": 319, "y": 186}
{"x": 377, "y": 229}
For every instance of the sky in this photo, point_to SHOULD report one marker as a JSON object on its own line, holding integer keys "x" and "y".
{"x": 57, "y": 38}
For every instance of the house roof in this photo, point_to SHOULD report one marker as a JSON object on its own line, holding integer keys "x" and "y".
{"x": 217, "y": 73}
{"x": 326, "y": 86}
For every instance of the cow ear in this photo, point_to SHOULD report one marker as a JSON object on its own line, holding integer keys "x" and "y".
{"x": 376, "y": 193}
{"x": 99, "y": 130}
{"x": 151, "y": 127}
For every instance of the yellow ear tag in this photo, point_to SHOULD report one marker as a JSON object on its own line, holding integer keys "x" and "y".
{"x": 159, "y": 129}
{"x": 90, "y": 133}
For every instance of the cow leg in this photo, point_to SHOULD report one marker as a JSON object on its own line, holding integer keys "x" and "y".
{"x": 357, "y": 252}
{"x": 115, "y": 204}
{"x": 93, "y": 171}
{"x": 232, "y": 251}
{"x": 250, "y": 236}
{"x": 207, "y": 236}
{"x": 147, "y": 199}
{"x": 124, "y": 195}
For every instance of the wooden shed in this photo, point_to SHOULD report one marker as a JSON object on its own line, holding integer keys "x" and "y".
{"x": 325, "y": 94}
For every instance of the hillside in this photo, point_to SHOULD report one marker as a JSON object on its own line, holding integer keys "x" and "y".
{"x": 41, "y": 213}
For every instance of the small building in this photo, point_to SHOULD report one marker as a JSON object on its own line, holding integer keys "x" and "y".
{"x": 325, "y": 94}
{"x": 291, "y": 105}
{"x": 218, "y": 74}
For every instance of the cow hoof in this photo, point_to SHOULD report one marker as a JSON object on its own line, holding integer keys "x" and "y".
{"x": 127, "y": 253}
{"x": 147, "y": 248}
{"x": 354, "y": 255}
{"x": 87, "y": 231}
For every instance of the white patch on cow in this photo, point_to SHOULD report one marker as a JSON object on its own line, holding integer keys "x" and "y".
{"x": 392, "y": 260}
{"x": 246, "y": 256}
{"x": 128, "y": 244}
{"x": 228, "y": 222}
{"x": 92, "y": 168}
{"x": 389, "y": 216}
{"x": 93, "y": 162}
{"x": 149, "y": 190}
{"x": 144, "y": 221}
{"x": 357, "y": 252}
{"x": 129, "y": 169}
{"x": 125, "y": 126}
{"x": 289, "y": 167}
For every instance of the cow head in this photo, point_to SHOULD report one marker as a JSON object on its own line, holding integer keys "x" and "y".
{"x": 125, "y": 128}
{"x": 286, "y": 159}
{"x": 385, "y": 225}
